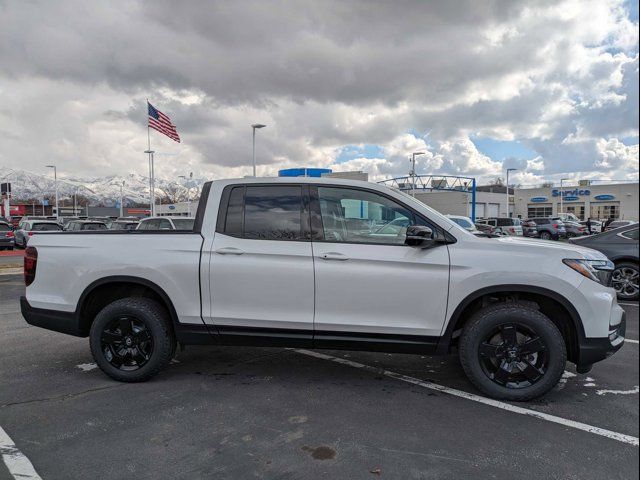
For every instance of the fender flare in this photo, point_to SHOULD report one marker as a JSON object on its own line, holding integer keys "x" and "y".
{"x": 445, "y": 339}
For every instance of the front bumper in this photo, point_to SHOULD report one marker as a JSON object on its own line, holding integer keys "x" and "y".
{"x": 592, "y": 350}
{"x": 63, "y": 322}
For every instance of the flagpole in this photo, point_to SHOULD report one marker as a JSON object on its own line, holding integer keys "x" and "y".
{"x": 152, "y": 199}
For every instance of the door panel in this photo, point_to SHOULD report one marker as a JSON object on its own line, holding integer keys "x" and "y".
{"x": 367, "y": 279}
{"x": 261, "y": 264}
{"x": 381, "y": 288}
{"x": 261, "y": 283}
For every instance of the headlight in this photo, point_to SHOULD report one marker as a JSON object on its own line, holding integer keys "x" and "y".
{"x": 597, "y": 270}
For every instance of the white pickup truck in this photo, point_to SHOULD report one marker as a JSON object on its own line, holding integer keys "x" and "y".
{"x": 327, "y": 263}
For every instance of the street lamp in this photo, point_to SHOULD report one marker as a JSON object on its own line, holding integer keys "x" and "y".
{"x": 562, "y": 195}
{"x": 121, "y": 200}
{"x": 254, "y": 127}
{"x": 55, "y": 178}
{"x": 413, "y": 170}
{"x": 508, "y": 171}
{"x": 189, "y": 191}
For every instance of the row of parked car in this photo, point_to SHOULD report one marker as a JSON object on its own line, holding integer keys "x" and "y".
{"x": 18, "y": 235}
{"x": 546, "y": 228}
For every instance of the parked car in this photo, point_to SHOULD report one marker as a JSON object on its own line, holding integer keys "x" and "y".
{"x": 106, "y": 220}
{"x": 464, "y": 222}
{"x": 7, "y": 238}
{"x": 529, "y": 229}
{"x": 621, "y": 247}
{"x": 574, "y": 229}
{"x": 274, "y": 263}
{"x": 484, "y": 228}
{"x": 83, "y": 225}
{"x": 504, "y": 225}
{"x": 618, "y": 223}
{"x": 29, "y": 227}
{"x": 549, "y": 229}
{"x": 568, "y": 217}
{"x": 596, "y": 226}
{"x": 166, "y": 223}
{"x": 124, "y": 225}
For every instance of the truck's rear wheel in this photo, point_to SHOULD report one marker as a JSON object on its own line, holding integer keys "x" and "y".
{"x": 131, "y": 339}
{"x": 512, "y": 351}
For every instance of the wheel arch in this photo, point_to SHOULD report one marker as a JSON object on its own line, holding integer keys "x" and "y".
{"x": 557, "y": 307}
{"x": 105, "y": 290}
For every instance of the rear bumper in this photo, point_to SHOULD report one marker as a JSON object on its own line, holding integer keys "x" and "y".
{"x": 63, "y": 322}
{"x": 594, "y": 350}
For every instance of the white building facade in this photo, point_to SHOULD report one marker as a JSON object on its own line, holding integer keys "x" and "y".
{"x": 597, "y": 201}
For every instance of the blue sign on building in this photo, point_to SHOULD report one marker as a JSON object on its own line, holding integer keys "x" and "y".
{"x": 604, "y": 197}
{"x": 539, "y": 199}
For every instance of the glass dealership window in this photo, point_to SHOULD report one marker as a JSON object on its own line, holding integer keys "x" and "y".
{"x": 536, "y": 211}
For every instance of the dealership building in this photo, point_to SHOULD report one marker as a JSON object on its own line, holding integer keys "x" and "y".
{"x": 595, "y": 200}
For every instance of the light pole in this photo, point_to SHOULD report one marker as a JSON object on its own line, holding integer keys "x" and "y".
{"x": 121, "y": 200}
{"x": 152, "y": 184}
{"x": 189, "y": 191}
{"x": 508, "y": 171}
{"x": 55, "y": 178}
{"x": 254, "y": 127}
{"x": 413, "y": 171}
{"x": 562, "y": 195}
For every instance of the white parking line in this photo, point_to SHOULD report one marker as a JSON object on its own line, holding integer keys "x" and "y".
{"x": 620, "y": 437}
{"x": 18, "y": 465}
{"x": 630, "y": 341}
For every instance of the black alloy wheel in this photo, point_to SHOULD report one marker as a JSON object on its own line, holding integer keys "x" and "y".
{"x": 513, "y": 356}
{"x": 512, "y": 351}
{"x": 132, "y": 339}
{"x": 126, "y": 343}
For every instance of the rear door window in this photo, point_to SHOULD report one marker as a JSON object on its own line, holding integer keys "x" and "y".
{"x": 265, "y": 212}
{"x": 273, "y": 212}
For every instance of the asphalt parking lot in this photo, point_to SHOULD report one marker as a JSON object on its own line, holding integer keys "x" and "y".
{"x": 228, "y": 412}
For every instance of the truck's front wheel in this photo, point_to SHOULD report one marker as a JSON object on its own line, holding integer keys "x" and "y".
{"x": 512, "y": 351}
{"x": 131, "y": 339}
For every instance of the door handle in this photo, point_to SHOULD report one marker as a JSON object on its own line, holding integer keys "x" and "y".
{"x": 334, "y": 256}
{"x": 229, "y": 251}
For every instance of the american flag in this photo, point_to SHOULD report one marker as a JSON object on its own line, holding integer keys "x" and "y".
{"x": 160, "y": 122}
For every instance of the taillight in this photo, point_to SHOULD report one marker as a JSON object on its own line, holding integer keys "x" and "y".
{"x": 30, "y": 262}
{"x": 512, "y": 230}
{"x": 555, "y": 225}
{"x": 10, "y": 235}
{"x": 31, "y": 234}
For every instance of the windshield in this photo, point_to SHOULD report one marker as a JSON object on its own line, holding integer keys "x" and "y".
{"x": 46, "y": 227}
{"x": 94, "y": 226}
{"x": 184, "y": 223}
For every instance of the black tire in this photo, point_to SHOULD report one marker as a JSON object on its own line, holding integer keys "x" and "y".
{"x": 545, "y": 236}
{"x": 512, "y": 374}
{"x": 131, "y": 339}
{"x": 625, "y": 281}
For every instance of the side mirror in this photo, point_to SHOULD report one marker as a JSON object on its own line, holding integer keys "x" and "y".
{"x": 419, "y": 236}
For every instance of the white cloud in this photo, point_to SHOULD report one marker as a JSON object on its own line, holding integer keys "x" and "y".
{"x": 560, "y": 77}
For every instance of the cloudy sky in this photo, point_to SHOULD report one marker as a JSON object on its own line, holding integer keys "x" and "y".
{"x": 548, "y": 87}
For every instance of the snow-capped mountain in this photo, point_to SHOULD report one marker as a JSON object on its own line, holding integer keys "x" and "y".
{"x": 99, "y": 191}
